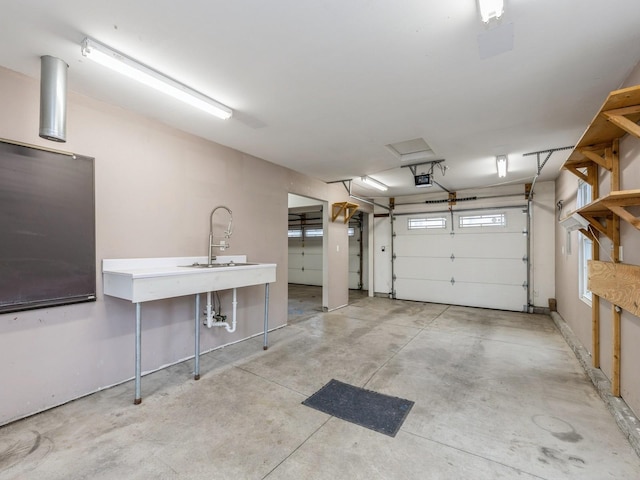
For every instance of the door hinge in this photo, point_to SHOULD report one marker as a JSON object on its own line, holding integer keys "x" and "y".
{"x": 453, "y": 281}
{"x": 452, "y": 257}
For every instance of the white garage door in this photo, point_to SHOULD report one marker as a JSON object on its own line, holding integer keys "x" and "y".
{"x": 480, "y": 261}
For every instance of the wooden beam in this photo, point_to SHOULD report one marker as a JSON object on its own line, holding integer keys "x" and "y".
{"x": 618, "y": 118}
{"x": 577, "y": 173}
{"x": 601, "y": 160}
{"x": 615, "y": 165}
{"x": 615, "y": 373}
{"x": 595, "y": 309}
{"x": 595, "y": 222}
{"x": 595, "y": 330}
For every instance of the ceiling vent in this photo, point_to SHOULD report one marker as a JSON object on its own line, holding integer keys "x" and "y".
{"x": 411, "y": 150}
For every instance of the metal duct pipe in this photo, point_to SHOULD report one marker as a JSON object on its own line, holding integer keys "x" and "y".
{"x": 53, "y": 98}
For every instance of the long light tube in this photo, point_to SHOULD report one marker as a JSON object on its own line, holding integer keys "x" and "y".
{"x": 491, "y": 9}
{"x": 501, "y": 163}
{"x": 374, "y": 183}
{"x": 120, "y": 63}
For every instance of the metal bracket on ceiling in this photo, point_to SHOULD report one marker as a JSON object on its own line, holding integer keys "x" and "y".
{"x": 432, "y": 163}
{"x": 549, "y": 152}
{"x": 346, "y": 183}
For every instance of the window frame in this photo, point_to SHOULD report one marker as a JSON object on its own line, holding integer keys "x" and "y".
{"x": 585, "y": 245}
{"x": 426, "y": 223}
{"x": 481, "y": 223}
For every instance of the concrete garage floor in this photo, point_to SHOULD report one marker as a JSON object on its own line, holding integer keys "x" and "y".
{"x": 498, "y": 395}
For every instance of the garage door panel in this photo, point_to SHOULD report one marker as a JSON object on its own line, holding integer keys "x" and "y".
{"x": 489, "y": 245}
{"x": 423, "y": 268}
{"x": 485, "y": 263}
{"x": 501, "y": 297}
{"x": 428, "y": 245}
{"x": 496, "y": 271}
{"x": 296, "y": 275}
{"x": 296, "y": 261}
{"x": 422, "y": 290}
{"x": 313, "y": 261}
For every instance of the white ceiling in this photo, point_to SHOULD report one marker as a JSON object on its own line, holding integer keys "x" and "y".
{"x": 321, "y": 86}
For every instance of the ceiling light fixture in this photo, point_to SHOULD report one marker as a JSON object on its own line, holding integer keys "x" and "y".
{"x": 120, "y": 63}
{"x": 374, "y": 183}
{"x": 501, "y": 163}
{"x": 491, "y": 9}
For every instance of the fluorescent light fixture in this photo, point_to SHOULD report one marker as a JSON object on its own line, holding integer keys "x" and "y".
{"x": 374, "y": 183}
{"x": 501, "y": 163}
{"x": 491, "y": 9}
{"x": 120, "y": 63}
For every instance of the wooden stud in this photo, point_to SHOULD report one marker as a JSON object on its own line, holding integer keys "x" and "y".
{"x": 592, "y": 172}
{"x": 595, "y": 308}
{"x": 615, "y": 165}
{"x": 615, "y": 374}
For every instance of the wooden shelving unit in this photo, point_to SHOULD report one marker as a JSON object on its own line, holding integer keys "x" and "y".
{"x": 347, "y": 209}
{"x": 600, "y": 212}
{"x": 598, "y": 148}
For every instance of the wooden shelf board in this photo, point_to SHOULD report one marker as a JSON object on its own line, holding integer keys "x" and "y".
{"x": 601, "y": 131}
{"x": 614, "y": 203}
{"x": 623, "y": 198}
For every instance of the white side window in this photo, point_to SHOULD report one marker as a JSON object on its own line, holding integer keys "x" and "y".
{"x": 585, "y": 245}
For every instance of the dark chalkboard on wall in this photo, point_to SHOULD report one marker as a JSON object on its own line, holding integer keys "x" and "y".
{"x": 47, "y": 228}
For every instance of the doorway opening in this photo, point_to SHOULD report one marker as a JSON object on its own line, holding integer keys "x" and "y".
{"x": 306, "y": 257}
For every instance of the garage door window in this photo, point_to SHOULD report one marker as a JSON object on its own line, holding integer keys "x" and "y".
{"x": 421, "y": 223}
{"x": 493, "y": 220}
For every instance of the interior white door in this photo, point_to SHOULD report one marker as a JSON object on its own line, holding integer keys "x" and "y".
{"x": 478, "y": 261}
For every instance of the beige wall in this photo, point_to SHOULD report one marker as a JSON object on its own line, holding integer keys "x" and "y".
{"x": 577, "y": 313}
{"x": 155, "y": 188}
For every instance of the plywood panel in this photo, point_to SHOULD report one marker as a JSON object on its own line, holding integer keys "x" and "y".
{"x": 618, "y": 283}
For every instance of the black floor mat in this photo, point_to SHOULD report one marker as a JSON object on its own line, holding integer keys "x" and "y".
{"x": 382, "y": 413}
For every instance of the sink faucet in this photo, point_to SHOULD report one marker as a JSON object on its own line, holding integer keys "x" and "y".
{"x": 227, "y": 233}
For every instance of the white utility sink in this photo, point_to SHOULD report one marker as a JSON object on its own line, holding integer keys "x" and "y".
{"x": 146, "y": 279}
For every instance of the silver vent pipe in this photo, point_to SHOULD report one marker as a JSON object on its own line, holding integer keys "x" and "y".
{"x": 53, "y": 98}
